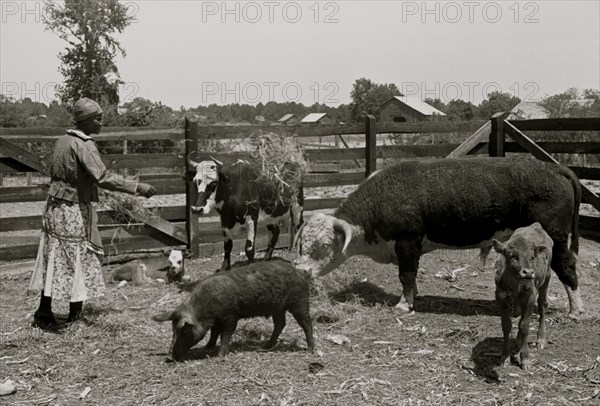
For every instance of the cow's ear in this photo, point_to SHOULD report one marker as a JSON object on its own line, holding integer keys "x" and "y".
{"x": 499, "y": 247}
{"x": 540, "y": 250}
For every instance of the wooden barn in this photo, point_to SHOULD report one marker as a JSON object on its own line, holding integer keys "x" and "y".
{"x": 403, "y": 109}
{"x": 289, "y": 119}
{"x": 317, "y": 118}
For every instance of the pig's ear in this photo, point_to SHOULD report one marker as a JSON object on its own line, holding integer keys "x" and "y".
{"x": 166, "y": 316}
{"x": 186, "y": 321}
{"x": 499, "y": 247}
{"x": 187, "y": 254}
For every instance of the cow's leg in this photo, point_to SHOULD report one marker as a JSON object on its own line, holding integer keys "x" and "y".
{"x": 278, "y": 325}
{"x": 227, "y": 247}
{"x": 408, "y": 252}
{"x": 274, "y": 232}
{"x": 522, "y": 346}
{"x": 542, "y": 308}
{"x": 296, "y": 212}
{"x": 505, "y": 313}
{"x": 251, "y": 237}
{"x": 291, "y": 234}
{"x": 564, "y": 264}
{"x": 228, "y": 327}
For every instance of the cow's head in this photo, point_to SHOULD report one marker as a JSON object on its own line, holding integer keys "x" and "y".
{"x": 524, "y": 262}
{"x": 322, "y": 244}
{"x": 206, "y": 180}
{"x": 176, "y": 265}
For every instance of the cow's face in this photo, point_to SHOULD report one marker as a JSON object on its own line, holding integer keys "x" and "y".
{"x": 526, "y": 264}
{"x": 176, "y": 264}
{"x": 321, "y": 244}
{"x": 206, "y": 180}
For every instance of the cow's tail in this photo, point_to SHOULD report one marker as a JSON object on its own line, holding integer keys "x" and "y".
{"x": 569, "y": 174}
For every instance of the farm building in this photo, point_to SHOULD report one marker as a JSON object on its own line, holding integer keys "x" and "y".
{"x": 317, "y": 118}
{"x": 400, "y": 109}
{"x": 289, "y": 119}
{"x": 527, "y": 110}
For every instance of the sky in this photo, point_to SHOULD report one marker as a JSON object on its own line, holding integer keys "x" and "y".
{"x": 191, "y": 53}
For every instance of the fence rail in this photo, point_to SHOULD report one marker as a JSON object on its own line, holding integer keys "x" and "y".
{"x": 145, "y": 235}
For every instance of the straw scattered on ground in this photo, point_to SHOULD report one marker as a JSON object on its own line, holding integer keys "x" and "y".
{"x": 368, "y": 353}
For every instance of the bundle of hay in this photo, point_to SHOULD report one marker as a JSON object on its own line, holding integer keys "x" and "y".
{"x": 278, "y": 160}
{"x": 124, "y": 207}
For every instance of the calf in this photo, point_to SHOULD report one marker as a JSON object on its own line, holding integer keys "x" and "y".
{"x": 243, "y": 199}
{"x": 267, "y": 289}
{"x": 523, "y": 278}
{"x": 144, "y": 270}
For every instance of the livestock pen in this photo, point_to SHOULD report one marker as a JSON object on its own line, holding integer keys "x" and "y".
{"x": 367, "y": 353}
{"x": 340, "y": 157}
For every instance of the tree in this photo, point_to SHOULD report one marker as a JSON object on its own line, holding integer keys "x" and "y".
{"x": 460, "y": 110}
{"x": 12, "y": 113}
{"x": 367, "y": 97}
{"x": 88, "y": 63}
{"x": 497, "y": 102}
{"x": 568, "y": 104}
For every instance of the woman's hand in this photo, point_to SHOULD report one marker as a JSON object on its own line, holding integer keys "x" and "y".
{"x": 145, "y": 190}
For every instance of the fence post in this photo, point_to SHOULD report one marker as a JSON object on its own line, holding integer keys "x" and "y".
{"x": 497, "y": 138}
{"x": 370, "y": 145}
{"x": 192, "y": 226}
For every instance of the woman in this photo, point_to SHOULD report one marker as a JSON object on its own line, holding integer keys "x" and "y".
{"x": 68, "y": 265}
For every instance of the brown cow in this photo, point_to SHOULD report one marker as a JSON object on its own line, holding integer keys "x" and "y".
{"x": 523, "y": 278}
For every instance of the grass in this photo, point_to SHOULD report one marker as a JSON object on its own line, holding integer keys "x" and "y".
{"x": 367, "y": 352}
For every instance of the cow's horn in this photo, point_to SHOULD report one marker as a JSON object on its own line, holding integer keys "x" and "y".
{"x": 219, "y": 163}
{"x": 346, "y": 228}
{"x": 298, "y": 236}
{"x": 190, "y": 161}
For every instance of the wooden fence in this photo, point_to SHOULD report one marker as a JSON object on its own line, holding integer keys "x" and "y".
{"x": 175, "y": 225}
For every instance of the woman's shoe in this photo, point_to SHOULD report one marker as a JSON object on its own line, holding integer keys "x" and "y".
{"x": 44, "y": 321}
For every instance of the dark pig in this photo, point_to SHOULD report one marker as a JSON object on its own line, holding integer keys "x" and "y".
{"x": 267, "y": 289}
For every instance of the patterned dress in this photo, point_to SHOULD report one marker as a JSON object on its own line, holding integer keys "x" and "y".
{"x": 68, "y": 264}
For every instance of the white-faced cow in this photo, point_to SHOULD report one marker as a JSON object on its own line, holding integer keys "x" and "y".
{"x": 243, "y": 200}
{"x": 521, "y": 279}
{"x": 143, "y": 270}
{"x": 406, "y": 210}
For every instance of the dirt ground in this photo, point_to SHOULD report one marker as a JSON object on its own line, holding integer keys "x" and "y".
{"x": 368, "y": 353}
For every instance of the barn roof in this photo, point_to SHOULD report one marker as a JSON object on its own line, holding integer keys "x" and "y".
{"x": 313, "y": 117}
{"x": 419, "y": 105}
{"x": 528, "y": 110}
{"x": 286, "y": 118}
